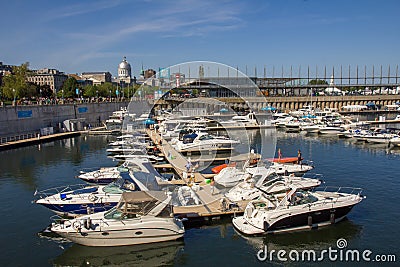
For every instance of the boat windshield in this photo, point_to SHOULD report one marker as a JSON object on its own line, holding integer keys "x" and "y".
{"x": 119, "y": 186}
{"x": 130, "y": 210}
{"x": 301, "y": 198}
{"x": 206, "y": 137}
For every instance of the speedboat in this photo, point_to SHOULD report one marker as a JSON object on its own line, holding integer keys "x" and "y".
{"x": 280, "y": 119}
{"x": 102, "y": 176}
{"x": 107, "y": 175}
{"x": 297, "y": 210}
{"x": 203, "y": 141}
{"x": 310, "y": 128}
{"x": 395, "y": 140}
{"x": 329, "y": 129}
{"x": 379, "y": 138}
{"x": 271, "y": 183}
{"x": 292, "y": 126}
{"x": 248, "y": 120}
{"x": 139, "y": 218}
{"x": 231, "y": 176}
{"x": 82, "y": 199}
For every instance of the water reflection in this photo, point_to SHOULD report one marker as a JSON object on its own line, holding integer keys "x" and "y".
{"x": 25, "y": 165}
{"x": 314, "y": 239}
{"x": 157, "y": 254}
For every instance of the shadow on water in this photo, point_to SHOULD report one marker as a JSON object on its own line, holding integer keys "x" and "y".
{"x": 157, "y": 254}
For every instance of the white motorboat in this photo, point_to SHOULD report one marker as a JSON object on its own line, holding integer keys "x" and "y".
{"x": 248, "y": 120}
{"x": 310, "y": 128}
{"x": 203, "y": 141}
{"x": 139, "y": 218}
{"x": 82, "y": 199}
{"x": 395, "y": 140}
{"x": 330, "y": 130}
{"x": 252, "y": 188}
{"x": 306, "y": 110}
{"x": 379, "y": 138}
{"x": 231, "y": 175}
{"x": 297, "y": 210}
{"x": 107, "y": 175}
{"x": 280, "y": 119}
{"x": 292, "y": 126}
{"x": 76, "y": 200}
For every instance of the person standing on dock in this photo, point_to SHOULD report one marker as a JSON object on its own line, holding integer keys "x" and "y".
{"x": 189, "y": 165}
{"x": 279, "y": 154}
{"x": 212, "y": 184}
{"x": 299, "y": 158}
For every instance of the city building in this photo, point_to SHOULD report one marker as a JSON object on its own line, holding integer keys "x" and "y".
{"x": 97, "y": 77}
{"x": 80, "y": 81}
{"x": 51, "y": 77}
{"x": 5, "y": 70}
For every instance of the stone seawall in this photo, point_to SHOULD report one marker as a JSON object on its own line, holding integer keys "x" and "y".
{"x": 24, "y": 119}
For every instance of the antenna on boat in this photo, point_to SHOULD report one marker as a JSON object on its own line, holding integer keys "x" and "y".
{"x": 262, "y": 190}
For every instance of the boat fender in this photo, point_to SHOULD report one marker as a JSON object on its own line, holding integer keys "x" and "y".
{"x": 266, "y": 225}
{"x": 332, "y": 218}
{"x": 88, "y": 223}
{"x": 92, "y": 197}
{"x": 76, "y": 225}
{"x": 254, "y": 213}
{"x": 96, "y": 175}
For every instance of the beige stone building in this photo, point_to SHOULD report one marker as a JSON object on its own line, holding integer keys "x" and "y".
{"x": 97, "y": 77}
{"x": 52, "y": 77}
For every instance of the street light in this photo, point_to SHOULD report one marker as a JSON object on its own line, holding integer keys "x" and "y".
{"x": 14, "y": 96}
{"x": 110, "y": 95}
{"x": 62, "y": 95}
{"x": 97, "y": 95}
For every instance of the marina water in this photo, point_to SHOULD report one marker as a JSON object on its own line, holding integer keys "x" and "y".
{"x": 372, "y": 225}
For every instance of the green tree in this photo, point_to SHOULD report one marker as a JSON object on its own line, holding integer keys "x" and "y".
{"x": 90, "y": 90}
{"x": 106, "y": 89}
{"x": 69, "y": 87}
{"x": 15, "y": 84}
{"x": 318, "y": 82}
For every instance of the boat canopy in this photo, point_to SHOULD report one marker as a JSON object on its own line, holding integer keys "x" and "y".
{"x": 143, "y": 196}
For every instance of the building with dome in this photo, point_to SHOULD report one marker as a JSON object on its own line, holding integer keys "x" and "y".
{"x": 124, "y": 72}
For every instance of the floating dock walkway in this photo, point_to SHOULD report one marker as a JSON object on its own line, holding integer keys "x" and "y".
{"x": 213, "y": 205}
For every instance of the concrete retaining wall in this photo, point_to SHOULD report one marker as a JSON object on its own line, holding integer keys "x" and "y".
{"x": 25, "y": 119}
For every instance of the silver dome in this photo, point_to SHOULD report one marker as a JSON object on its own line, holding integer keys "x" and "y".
{"x": 124, "y": 64}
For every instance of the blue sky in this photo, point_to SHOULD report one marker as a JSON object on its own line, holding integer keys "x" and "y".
{"x": 78, "y": 36}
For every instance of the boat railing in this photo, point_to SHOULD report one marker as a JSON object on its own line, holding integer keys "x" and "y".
{"x": 313, "y": 175}
{"x": 342, "y": 189}
{"x": 61, "y": 189}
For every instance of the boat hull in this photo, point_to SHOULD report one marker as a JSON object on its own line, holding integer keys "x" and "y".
{"x": 302, "y": 219}
{"x": 299, "y": 221}
{"x": 75, "y": 209}
{"x": 128, "y": 238}
{"x": 106, "y": 233}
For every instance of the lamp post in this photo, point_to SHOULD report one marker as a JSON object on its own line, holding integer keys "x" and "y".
{"x": 110, "y": 95}
{"x": 97, "y": 96}
{"x": 14, "y": 97}
{"x": 62, "y": 96}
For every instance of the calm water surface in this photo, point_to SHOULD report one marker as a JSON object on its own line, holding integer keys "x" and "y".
{"x": 373, "y": 224}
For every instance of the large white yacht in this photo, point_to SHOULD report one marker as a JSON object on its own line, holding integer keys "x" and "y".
{"x": 248, "y": 120}
{"x": 203, "y": 141}
{"x": 296, "y": 210}
{"x": 139, "y": 218}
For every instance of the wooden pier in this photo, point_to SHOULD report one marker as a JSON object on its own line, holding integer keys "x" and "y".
{"x": 213, "y": 202}
{"x": 37, "y": 140}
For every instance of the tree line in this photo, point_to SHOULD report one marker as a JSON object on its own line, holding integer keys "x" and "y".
{"x": 16, "y": 86}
